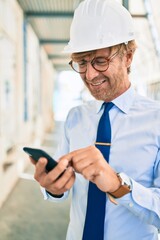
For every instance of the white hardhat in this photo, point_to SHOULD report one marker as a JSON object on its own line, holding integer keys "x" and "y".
{"x": 98, "y": 24}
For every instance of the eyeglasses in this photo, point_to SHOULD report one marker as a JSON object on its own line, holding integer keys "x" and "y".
{"x": 100, "y": 64}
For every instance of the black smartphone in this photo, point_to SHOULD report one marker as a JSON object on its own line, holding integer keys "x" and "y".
{"x": 36, "y": 153}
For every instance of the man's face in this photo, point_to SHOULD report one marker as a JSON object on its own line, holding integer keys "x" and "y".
{"x": 111, "y": 83}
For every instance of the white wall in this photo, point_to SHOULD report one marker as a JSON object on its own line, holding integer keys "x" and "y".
{"x": 16, "y": 130}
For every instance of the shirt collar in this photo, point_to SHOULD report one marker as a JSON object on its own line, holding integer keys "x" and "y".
{"x": 99, "y": 105}
{"x": 123, "y": 102}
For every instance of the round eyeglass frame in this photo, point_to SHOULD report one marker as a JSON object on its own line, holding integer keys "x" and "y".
{"x": 108, "y": 59}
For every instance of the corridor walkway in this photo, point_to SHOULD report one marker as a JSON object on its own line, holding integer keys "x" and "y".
{"x": 26, "y": 216}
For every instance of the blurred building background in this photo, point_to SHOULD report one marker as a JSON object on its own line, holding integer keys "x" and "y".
{"x": 37, "y": 87}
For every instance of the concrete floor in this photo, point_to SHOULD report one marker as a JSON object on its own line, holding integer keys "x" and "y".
{"x": 26, "y": 216}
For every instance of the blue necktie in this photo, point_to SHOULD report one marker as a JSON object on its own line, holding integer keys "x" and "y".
{"x": 95, "y": 214}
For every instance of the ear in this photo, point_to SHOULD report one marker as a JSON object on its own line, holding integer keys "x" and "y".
{"x": 129, "y": 57}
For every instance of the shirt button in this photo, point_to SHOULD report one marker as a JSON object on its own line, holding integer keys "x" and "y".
{"x": 130, "y": 205}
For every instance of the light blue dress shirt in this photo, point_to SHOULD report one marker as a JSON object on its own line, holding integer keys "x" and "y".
{"x": 135, "y": 150}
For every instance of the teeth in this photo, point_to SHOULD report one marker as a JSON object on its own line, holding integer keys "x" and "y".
{"x": 97, "y": 83}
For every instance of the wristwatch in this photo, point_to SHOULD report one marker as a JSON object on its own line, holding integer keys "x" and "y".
{"x": 125, "y": 187}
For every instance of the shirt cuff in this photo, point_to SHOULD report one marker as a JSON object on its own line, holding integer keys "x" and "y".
{"x": 146, "y": 197}
{"x": 48, "y": 197}
{"x": 140, "y": 198}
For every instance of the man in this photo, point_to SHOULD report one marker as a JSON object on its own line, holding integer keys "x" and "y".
{"x": 102, "y": 46}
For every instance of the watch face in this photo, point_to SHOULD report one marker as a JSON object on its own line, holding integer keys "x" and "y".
{"x": 125, "y": 179}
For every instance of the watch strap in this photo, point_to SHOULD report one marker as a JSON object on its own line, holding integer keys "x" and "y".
{"x": 121, "y": 191}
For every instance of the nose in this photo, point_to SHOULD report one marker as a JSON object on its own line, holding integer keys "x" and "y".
{"x": 91, "y": 73}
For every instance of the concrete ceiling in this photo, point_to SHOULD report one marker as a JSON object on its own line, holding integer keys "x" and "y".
{"x": 51, "y": 21}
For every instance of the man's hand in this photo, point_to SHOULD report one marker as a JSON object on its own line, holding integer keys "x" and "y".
{"x": 51, "y": 181}
{"x": 91, "y": 164}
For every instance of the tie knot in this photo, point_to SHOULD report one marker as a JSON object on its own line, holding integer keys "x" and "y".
{"x": 107, "y": 106}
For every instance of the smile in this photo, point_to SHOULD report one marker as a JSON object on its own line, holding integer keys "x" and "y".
{"x": 96, "y": 83}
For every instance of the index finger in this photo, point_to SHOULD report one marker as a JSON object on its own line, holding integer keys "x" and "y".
{"x": 72, "y": 154}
